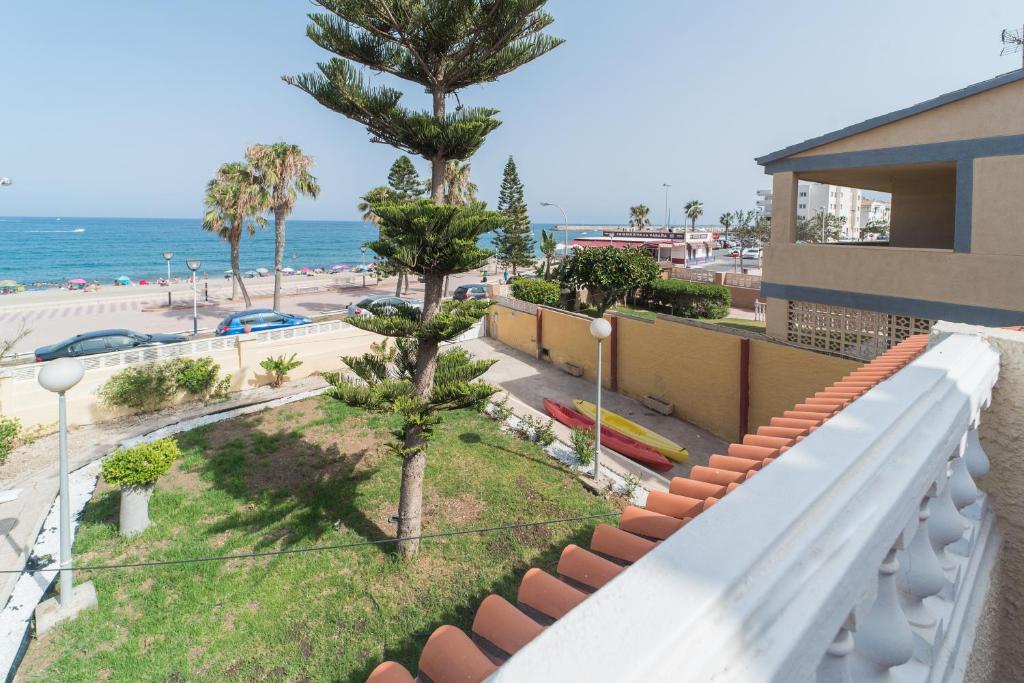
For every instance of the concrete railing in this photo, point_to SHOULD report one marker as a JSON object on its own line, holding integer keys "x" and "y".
{"x": 862, "y": 554}
{"x": 741, "y": 280}
{"x": 693, "y": 274}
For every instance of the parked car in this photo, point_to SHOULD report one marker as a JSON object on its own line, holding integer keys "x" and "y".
{"x": 752, "y": 252}
{"x": 475, "y": 291}
{"x": 362, "y": 308}
{"x": 735, "y": 252}
{"x": 104, "y": 341}
{"x": 258, "y": 320}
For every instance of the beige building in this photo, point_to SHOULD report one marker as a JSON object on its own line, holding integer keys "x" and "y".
{"x": 954, "y": 167}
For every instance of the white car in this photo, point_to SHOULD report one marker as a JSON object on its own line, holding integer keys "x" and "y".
{"x": 752, "y": 252}
{"x": 361, "y": 308}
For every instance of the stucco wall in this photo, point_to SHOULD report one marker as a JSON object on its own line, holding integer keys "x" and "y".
{"x": 923, "y": 211}
{"x": 998, "y": 206}
{"x": 514, "y": 328}
{"x": 996, "y": 112}
{"x": 997, "y": 655}
{"x": 566, "y": 336}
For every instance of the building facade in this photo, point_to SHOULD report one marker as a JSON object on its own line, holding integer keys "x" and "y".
{"x": 845, "y": 202}
{"x": 953, "y": 167}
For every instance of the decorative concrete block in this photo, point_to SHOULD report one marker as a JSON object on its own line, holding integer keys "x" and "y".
{"x": 49, "y": 613}
{"x": 658, "y": 405}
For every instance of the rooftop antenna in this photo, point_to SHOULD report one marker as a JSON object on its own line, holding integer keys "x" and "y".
{"x": 1013, "y": 42}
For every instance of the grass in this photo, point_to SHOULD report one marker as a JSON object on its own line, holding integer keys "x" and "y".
{"x": 740, "y": 324}
{"x": 311, "y": 473}
{"x": 621, "y": 308}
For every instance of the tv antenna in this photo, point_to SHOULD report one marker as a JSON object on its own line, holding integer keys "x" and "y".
{"x": 1013, "y": 42}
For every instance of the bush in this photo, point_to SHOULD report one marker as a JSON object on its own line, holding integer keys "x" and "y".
{"x": 152, "y": 386}
{"x": 689, "y": 299}
{"x": 10, "y": 427}
{"x": 544, "y": 433}
{"x": 536, "y": 291}
{"x": 279, "y": 367}
{"x": 140, "y": 465}
{"x": 583, "y": 446}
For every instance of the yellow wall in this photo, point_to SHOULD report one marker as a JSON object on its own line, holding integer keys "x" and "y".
{"x": 781, "y": 376}
{"x": 566, "y": 336}
{"x": 514, "y": 328}
{"x": 996, "y": 112}
{"x": 698, "y": 370}
{"x": 998, "y": 206}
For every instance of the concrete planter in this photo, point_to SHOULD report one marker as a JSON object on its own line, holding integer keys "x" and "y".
{"x": 135, "y": 509}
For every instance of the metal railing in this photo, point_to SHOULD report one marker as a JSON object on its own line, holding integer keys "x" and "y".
{"x": 861, "y": 554}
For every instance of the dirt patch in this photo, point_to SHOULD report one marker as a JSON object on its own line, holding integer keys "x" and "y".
{"x": 456, "y": 510}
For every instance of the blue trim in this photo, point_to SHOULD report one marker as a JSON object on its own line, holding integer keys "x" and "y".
{"x": 1004, "y": 79}
{"x": 963, "y": 214}
{"x": 1003, "y": 145}
{"x": 934, "y": 310}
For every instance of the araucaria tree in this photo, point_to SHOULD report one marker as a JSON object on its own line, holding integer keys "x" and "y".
{"x": 548, "y": 247}
{"x": 442, "y": 46}
{"x": 404, "y": 181}
{"x": 639, "y": 216}
{"x": 514, "y": 244}
{"x": 233, "y": 197}
{"x": 283, "y": 171}
{"x": 608, "y": 273}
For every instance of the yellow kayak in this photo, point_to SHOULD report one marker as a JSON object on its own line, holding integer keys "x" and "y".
{"x": 670, "y": 449}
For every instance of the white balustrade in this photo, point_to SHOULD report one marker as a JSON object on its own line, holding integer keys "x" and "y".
{"x": 844, "y": 560}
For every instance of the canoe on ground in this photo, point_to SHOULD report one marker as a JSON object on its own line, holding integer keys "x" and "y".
{"x": 670, "y": 449}
{"x": 620, "y": 443}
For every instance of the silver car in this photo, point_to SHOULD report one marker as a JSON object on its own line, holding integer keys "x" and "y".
{"x": 361, "y": 308}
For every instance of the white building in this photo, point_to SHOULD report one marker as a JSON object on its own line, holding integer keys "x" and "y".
{"x": 872, "y": 210}
{"x": 840, "y": 201}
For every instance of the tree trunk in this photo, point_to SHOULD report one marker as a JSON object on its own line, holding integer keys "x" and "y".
{"x": 398, "y": 285}
{"x": 237, "y": 270}
{"x": 410, "y": 501}
{"x": 279, "y": 220}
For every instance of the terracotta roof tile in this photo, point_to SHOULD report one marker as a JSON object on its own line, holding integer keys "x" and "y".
{"x": 500, "y": 630}
{"x": 584, "y": 569}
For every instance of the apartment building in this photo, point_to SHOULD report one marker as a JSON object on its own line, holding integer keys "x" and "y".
{"x": 837, "y": 200}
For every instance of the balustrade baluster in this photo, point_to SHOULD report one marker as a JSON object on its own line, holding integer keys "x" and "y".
{"x": 884, "y": 638}
{"x": 921, "y": 572}
{"x": 945, "y": 525}
{"x": 977, "y": 459}
{"x": 835, "y": 665}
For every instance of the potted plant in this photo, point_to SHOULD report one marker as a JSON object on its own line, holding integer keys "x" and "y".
{"x": 136, "y": 471}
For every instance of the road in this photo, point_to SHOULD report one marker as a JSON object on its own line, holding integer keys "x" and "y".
{"x": 63, "y": 314}
{"x": 724, "y": 263}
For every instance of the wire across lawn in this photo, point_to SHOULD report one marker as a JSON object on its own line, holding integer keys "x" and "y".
{"x": 310, "y": 473}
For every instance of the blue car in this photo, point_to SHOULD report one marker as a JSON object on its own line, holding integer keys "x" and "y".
{"x": 258, "y": 320}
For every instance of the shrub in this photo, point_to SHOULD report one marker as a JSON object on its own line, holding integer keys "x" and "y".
{"x": 279, "y": 367}
{"x": 689, "y": 299}
{"x": 544, "y": 433}
{"x": 10, "y": 427}
{"x": 629, "y": 486}
{"x": 152, "y": 386}
{"x": 199, "y": 377}
{"x": 536, "y": 291}
{"x": 500, "y": 410}
{"x": 583, "y": 446}
{"x": 140, "y": 465}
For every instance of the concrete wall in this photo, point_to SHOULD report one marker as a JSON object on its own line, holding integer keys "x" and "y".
{"x": 996, "y": 655}
{"x": 33, "y": 405}
{"x": 923, "y": 211}
{"x": 694, "y": 366}
{"x": 998, "y": 206}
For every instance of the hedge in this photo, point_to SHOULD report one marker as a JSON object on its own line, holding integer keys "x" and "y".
{"x": 140, "y": 465}
{"x": 536, "y": 291}
{"x": 689, "y": 299}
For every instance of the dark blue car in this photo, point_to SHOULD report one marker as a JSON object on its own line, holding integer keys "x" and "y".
{"x": 258, "y": 320}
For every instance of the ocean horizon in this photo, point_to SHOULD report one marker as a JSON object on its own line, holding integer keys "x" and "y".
{"x": 38, "y": 250}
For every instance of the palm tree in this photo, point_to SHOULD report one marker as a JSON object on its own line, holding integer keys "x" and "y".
{"x": 639, "y": 216}
{"x": 726, "y": 220}
{"x": 458, "y": 187}
{"x": 233, "y": 196}
{"x": 548, "y": 246}
{"x": 283, "y": 171}
{"x": 374, "y": 197}
{"x": 694, "y": 209}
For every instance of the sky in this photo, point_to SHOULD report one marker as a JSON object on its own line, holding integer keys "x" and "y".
{"x": 124, "y": 108}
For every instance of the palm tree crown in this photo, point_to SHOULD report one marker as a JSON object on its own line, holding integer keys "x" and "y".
{"x": 235, "y": 196}
{"x": 458, "y": 187}
{"x": 639, "y": 216}
{"x": 694, "y": 209}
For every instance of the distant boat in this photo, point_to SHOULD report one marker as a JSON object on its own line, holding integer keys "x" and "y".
{"x": 78, "y": 230}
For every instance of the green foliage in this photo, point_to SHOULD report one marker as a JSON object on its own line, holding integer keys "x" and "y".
{"x": 514, "y": 243}
{"x": 404, "y": 181}
{"x": 536, "y": 291}
{"x": 694, "y": 209}
{"x": 639, "y": 216}
{"x": 279, "y": 367}
{"x": 630, "y": 484}
{"x": 140, "y": 465}
{"x": 375, "y": 197}
{"x": 544, "y": 432}
{"x": 821, "y": 227}
{"x": 878, "y": 228}
{"x": 548, "y": 247}
{"x": 500, "y": 410}
{"x": 689, "y": 299}
{"x": 582, "y": 441}
{"x": 152, "y": 386}
{"x": 608, "y": 273}
{"x": 10, "y": 428}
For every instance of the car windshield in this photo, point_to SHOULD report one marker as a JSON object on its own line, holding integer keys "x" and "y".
{"x": 366, "y": 302}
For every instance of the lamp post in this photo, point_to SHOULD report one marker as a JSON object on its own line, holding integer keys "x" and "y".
{"x": 194, "y": 265}
{"x": 666, "y": 186}
{"x": 362, "y": 263}
{"x": 565, "y": 231}
{"x": 600, "y": 329}
{"x": 58, "y": 376}
{"x": 168, "y": 255}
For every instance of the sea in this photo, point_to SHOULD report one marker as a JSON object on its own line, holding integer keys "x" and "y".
{"x": 48, "y": 251}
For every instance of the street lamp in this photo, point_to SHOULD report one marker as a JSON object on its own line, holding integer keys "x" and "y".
{"x": 194, "y": 265}
{"x": 600, "y": 329}
{"x": 168, "y": 255}
{"x": 59, "y": 376}
{"x": 666, "y": 186}
{"x": 362, "y": 263}
{"x": 565, "y": 224}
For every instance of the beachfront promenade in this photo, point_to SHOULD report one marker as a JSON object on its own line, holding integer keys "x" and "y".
{"x": 54, "y": 315}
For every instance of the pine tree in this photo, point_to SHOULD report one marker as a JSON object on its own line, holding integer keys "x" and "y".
{"x": 442, "y": 46}
{"x": 514, "y": 243}
{"x": 404, "y": 180}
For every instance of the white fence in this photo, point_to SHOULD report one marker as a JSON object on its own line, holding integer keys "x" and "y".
{"x": 863, "y": 553}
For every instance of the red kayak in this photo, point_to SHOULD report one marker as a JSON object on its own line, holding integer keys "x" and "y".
{"x": 615, "y": 440}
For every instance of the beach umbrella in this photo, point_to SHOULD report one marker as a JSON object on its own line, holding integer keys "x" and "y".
{"x": 339, "y": 267}
{"x": 124, "y": 280}
{"x": 77, "y": 281}
{"x": 262, "y": 272}
{"x": 288, "y": 271}
{"x": 306, "y": 271}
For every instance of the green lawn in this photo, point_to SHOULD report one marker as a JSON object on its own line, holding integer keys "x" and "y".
{"x": 310, "y": 473}
{"x": 740, "y": 324}
{"x": 622, "y": 308}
